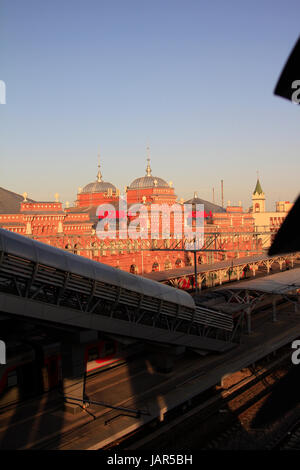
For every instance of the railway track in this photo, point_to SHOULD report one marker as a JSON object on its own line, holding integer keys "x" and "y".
{"x": 221, "y": 409}
{"x": 201, "y": 411}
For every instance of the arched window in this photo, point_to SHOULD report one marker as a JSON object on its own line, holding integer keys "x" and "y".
{"x": 77, "y": 248}
{"x": 155, "y": 266}
{"x": 133, "y": 269}
{"x": 178, "y": 263}
{"x": 188, "y": 260}
{"x": 168, "y": 264}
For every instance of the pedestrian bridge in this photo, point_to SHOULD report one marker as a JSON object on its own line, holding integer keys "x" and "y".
{"x": 48, "y": 284}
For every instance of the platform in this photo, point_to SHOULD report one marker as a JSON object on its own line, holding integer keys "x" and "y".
{"x": 139, "y": 387}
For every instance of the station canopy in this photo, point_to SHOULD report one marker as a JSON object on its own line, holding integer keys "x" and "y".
{"x": 280, "y": 283}
{"x": 169, "y": 274}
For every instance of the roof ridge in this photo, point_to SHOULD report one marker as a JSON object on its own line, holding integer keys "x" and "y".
{"x": 15, "y": 194}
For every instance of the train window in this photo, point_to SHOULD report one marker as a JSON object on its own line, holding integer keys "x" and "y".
{"x": 93, "y": 354}
{"x": 12, "y": 378}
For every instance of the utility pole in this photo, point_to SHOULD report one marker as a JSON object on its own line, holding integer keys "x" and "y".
{"x": 196, "y": 271}
{"x": 222, "y": 193}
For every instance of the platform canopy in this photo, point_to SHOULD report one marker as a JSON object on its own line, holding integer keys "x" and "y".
{"x": 280, "y": 283}
{"x": 162, "y": 276}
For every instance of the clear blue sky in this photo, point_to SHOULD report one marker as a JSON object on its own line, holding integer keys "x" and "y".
{"x": 193, "y": 78}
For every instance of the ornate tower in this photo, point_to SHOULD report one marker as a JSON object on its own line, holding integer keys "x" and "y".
{"x": 258, "y": 198}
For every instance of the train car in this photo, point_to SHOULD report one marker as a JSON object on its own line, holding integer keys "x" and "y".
{"x": 109, "y": 352}
{"x": 18, "y": 378}
{"x": 33, "y": 364}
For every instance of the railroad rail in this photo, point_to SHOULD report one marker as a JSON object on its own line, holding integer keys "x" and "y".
{"x": 197, "y": 414}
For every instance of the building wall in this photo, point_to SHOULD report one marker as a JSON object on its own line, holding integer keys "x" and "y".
{"x": 48, "y": 222}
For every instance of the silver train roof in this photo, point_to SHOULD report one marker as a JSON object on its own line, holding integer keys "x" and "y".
{"x": 32, "y": 250}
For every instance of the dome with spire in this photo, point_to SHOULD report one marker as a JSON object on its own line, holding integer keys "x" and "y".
{"x": 148, "y": 181}
{"x": 98, "y": 186}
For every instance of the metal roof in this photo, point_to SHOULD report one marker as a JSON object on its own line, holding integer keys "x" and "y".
{"x": 208, "y": 206}
{"x": 10, "y": 202}
{"x": 41, "y": 253}
{"x": 279, "y": 283}
{"x": 258, "y": 188}
{"x": 148, "y": 182}
{"x": 98, "y": 187}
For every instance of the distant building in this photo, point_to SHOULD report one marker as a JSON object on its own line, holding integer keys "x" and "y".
{"x": 267, "y": 220}
{"x": 74, "y": 227}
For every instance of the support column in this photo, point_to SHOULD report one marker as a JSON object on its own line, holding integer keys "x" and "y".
{"x": 195, "y": 272}
{"x": 73, "y": 376}
{"x": 248, "y": 314}
{"x": 274, "y": 310}
{"x": 280, "y": 264}
{"x": 163, "y": 357}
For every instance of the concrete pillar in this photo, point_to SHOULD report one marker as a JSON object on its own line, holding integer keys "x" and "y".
{"x": 73, "y": 376}
{"x": 248, "y": 313}
{"x": 274, "y": 310}
{"x": 163, "y": 357}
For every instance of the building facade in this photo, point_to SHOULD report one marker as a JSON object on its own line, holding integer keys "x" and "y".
{"x": 74, "y": 228}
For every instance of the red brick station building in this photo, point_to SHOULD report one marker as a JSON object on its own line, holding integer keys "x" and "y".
{"x": 74, "y": 228}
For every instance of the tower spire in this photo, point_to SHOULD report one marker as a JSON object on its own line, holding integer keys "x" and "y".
{"x": 148, "y": 169}
{"x": 258, "y": 188}
{"x": 99, "y": 175}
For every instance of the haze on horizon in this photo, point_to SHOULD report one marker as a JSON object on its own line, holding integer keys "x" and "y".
{"x": 192, "y": 79}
